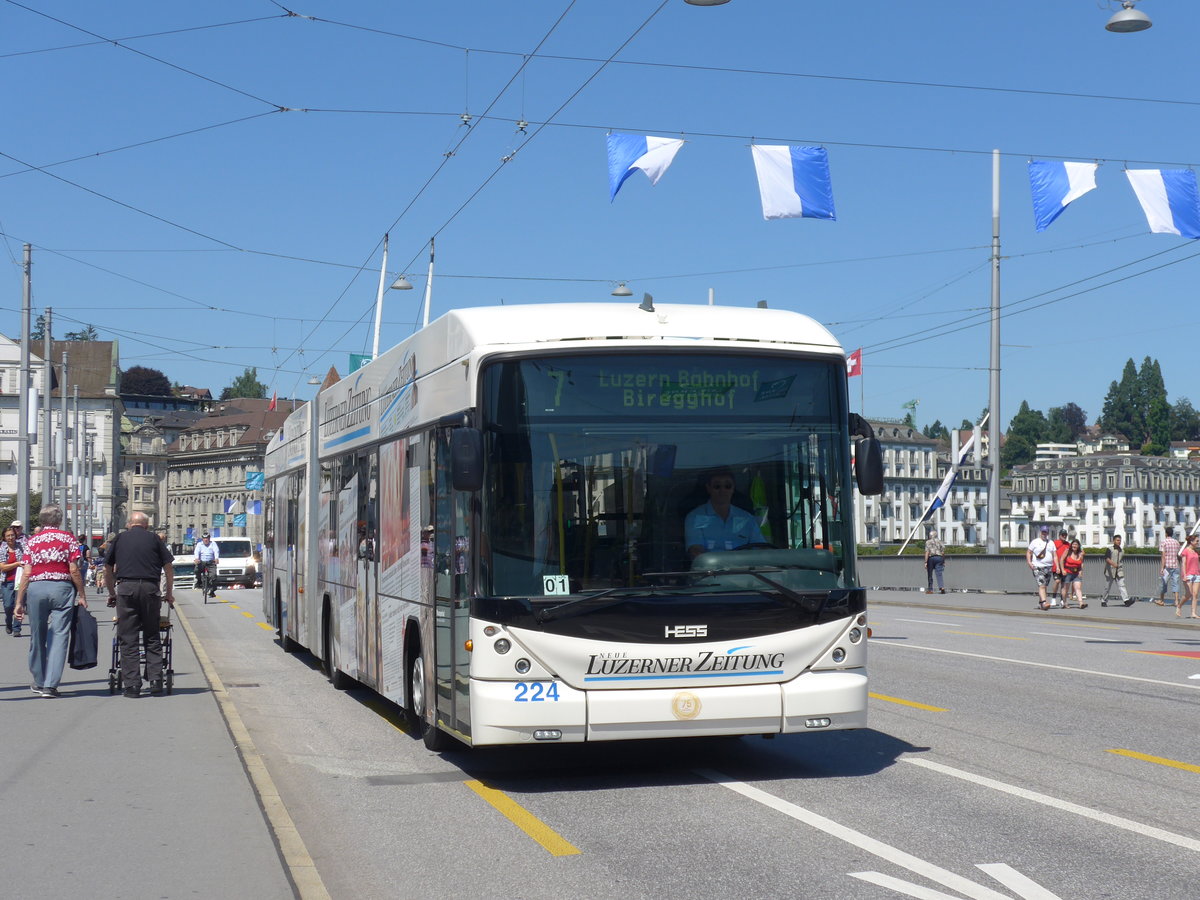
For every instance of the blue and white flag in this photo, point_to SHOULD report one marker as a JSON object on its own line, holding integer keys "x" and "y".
{"x": 943, "y": 491}
{"x": 230, "y": 506}
{"x": 1169, "y": 199}
{"x": 254, "y": 507}
{"x": 629, "y": 152}
{"x": 794, "y": 182}
{"x": 1055, "y": 184}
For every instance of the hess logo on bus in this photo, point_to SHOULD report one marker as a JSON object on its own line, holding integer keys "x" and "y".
{"x": 686, "y": 631}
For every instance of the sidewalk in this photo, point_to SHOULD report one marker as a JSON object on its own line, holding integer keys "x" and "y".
{"x": 1142, "y": 612}
{"x": 111, "y": 797}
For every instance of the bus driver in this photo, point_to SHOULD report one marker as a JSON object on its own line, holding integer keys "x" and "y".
{"x": 718, "y": 524}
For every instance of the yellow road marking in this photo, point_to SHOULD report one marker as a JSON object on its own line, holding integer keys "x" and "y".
{"x": 387, "y": 715}
{"x": 911, "y": 703}
{"x": 247, "y": 615}
{"x": 1160, "y": 760}
{"x": 525, "y": 820}
{"x": 1003, "y": 637}
{"x": 1180, "y": 655}
{"x": 231, "y": 605}
{"x": 265, "y": 627}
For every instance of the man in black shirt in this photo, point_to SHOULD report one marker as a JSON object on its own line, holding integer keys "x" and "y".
{"x": 135, "y": 561}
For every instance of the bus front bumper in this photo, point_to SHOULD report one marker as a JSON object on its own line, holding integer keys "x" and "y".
{"x": 504, "y": 713}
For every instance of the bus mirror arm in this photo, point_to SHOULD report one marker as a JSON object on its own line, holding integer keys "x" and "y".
{"x": 868, "y": 457}
{"x": 466, "y": 459}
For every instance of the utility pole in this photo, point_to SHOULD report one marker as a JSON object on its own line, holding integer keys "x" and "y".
{"x": 76, "y": 479}
{"x": 64, "y": 433}
{"x": 993, "y": 494}
{"x": 23, "y": 397}
{"x": 47, "y": 408}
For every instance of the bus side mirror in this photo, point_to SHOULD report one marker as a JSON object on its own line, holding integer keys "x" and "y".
{"x": 466, "y": 459}
{"x": 868, "y": 466}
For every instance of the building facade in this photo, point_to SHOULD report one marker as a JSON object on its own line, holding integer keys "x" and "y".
{"x": 1095, "y": 497}
{"x": 206, "y": 471}
{"x": 910, "y": 471}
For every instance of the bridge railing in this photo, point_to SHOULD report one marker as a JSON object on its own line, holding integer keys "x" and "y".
{"x": 1004, "y": 574}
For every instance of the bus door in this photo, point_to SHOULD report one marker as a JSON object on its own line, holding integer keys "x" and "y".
{"x": 452, "y": 606}
{"x": 366, "y": 585}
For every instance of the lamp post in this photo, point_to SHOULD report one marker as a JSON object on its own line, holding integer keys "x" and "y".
{"x": 1125, "y": 21}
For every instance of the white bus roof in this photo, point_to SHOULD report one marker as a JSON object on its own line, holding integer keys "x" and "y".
{"x": 469, "y": 329}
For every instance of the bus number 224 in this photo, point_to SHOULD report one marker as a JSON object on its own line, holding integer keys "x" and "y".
{"x": 535, "y": 692}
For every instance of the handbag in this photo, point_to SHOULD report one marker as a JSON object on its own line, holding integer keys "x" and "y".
{"x": 85, "y": 640}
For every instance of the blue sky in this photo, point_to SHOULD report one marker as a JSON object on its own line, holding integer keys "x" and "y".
{"x": 257, "y": 242}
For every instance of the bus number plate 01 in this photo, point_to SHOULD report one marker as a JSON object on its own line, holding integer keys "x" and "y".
{"x": 556, "y": 585}
{"x": 535, "y": 692}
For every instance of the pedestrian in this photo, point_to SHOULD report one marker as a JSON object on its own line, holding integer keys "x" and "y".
{"x": 1114, "y": 572}
{"x": 1061, "y": 545}
{"x": 50, "y": 589}
{"x": 1072, "y": 573}
{"x": 1191, "y": 573}
{"x": 135, "y": 562}
{"x": 10, "y": 561}
{"x": 84, "y": 558}
{"x": 935, "y": 561}
{"x": 22, "y": 537}
{"x": 1042, "y": 563}
{"x": 1169, "y": 551}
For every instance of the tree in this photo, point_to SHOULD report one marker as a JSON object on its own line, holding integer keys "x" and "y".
{"x": 1185, "y": 421}
{"x": 246, "y": 385}
{"x": 937, "y": 431}
{"x": 1027, "y": 428}
{"x": 1120, "y": 413}
{"x": 144, "y": 380}
{"x": 1158, "y": 423}
{"x": 1065, "y": 423}
{"x": 86, "y": 333}
{"x": 39, "y": 328}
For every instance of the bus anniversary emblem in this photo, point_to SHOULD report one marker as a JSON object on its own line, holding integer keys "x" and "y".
{"x": 685, "y": 705}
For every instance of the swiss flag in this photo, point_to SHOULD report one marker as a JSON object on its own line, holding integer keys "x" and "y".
{"x": 854, "y": 363}
{"x": 274, "y": 399}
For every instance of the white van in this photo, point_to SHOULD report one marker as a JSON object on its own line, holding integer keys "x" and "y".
{"x": 237, "y": 564}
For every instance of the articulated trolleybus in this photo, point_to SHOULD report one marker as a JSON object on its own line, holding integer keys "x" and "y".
{"x": 516, "y": 524}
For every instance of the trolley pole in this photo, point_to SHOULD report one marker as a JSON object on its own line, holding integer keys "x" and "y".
{"x": 23, "y": 396}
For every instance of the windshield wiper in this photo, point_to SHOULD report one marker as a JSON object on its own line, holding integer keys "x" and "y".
{"x": 609, "y": 597}
{"x": 794, "y": 597}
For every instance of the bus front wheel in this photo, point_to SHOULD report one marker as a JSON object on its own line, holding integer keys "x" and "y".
{"x": 435, "y": 739}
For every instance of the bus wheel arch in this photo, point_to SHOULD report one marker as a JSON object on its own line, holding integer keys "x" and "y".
{"x": 422, "y": 715}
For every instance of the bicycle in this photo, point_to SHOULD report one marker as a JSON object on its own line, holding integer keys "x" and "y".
{"x": 206, "y": 582}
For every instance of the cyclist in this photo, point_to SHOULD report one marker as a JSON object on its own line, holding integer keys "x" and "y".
{"x": 207, "y": 557}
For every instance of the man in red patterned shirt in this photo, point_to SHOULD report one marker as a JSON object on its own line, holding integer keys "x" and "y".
{"x": 50, "y": 589}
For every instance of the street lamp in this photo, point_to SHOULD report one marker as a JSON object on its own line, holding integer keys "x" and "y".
{"x": 705, "y": 2}
{"x": 622, "y": 291}
{"x": 1124, "y": 21}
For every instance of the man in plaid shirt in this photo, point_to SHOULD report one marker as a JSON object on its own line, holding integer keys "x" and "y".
{"x": 1169, "y": 548}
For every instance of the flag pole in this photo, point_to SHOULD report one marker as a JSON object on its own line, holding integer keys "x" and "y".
{"x": 943, "y": 490}
{"x": 993, "y": 493}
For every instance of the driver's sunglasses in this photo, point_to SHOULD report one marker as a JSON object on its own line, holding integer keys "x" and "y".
{"x": 722, "y": 485}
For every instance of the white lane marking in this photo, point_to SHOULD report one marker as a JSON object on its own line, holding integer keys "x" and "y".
{"x": 1079, "y": 637}
{"x": 1039, "y": 665}
{"x": 1193, "y": 677}
{"x": 928, "y": 622}
{"x": 857, "y": 839}
{"x": 1021, "y": 885}
{"x": 903, "y": 887}
{"x": 1158, "y": 834}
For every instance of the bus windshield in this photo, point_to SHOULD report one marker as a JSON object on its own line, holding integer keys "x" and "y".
{"x": 664, "y": 471}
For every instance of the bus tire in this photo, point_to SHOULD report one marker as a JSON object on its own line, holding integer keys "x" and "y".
{"x": 285, "y": 642}
{"x": 339, "y": 679}
{"x": 419, "y": 714}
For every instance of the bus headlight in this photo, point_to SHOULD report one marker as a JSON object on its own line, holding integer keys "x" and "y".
{"x": 855, "y": 635}
{"x": 502, "y": 646}
{"x": 522, "y": 666}
{"x": 839, "y": 655}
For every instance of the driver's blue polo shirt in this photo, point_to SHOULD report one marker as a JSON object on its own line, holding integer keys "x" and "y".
{"x": 704, "y": 528}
